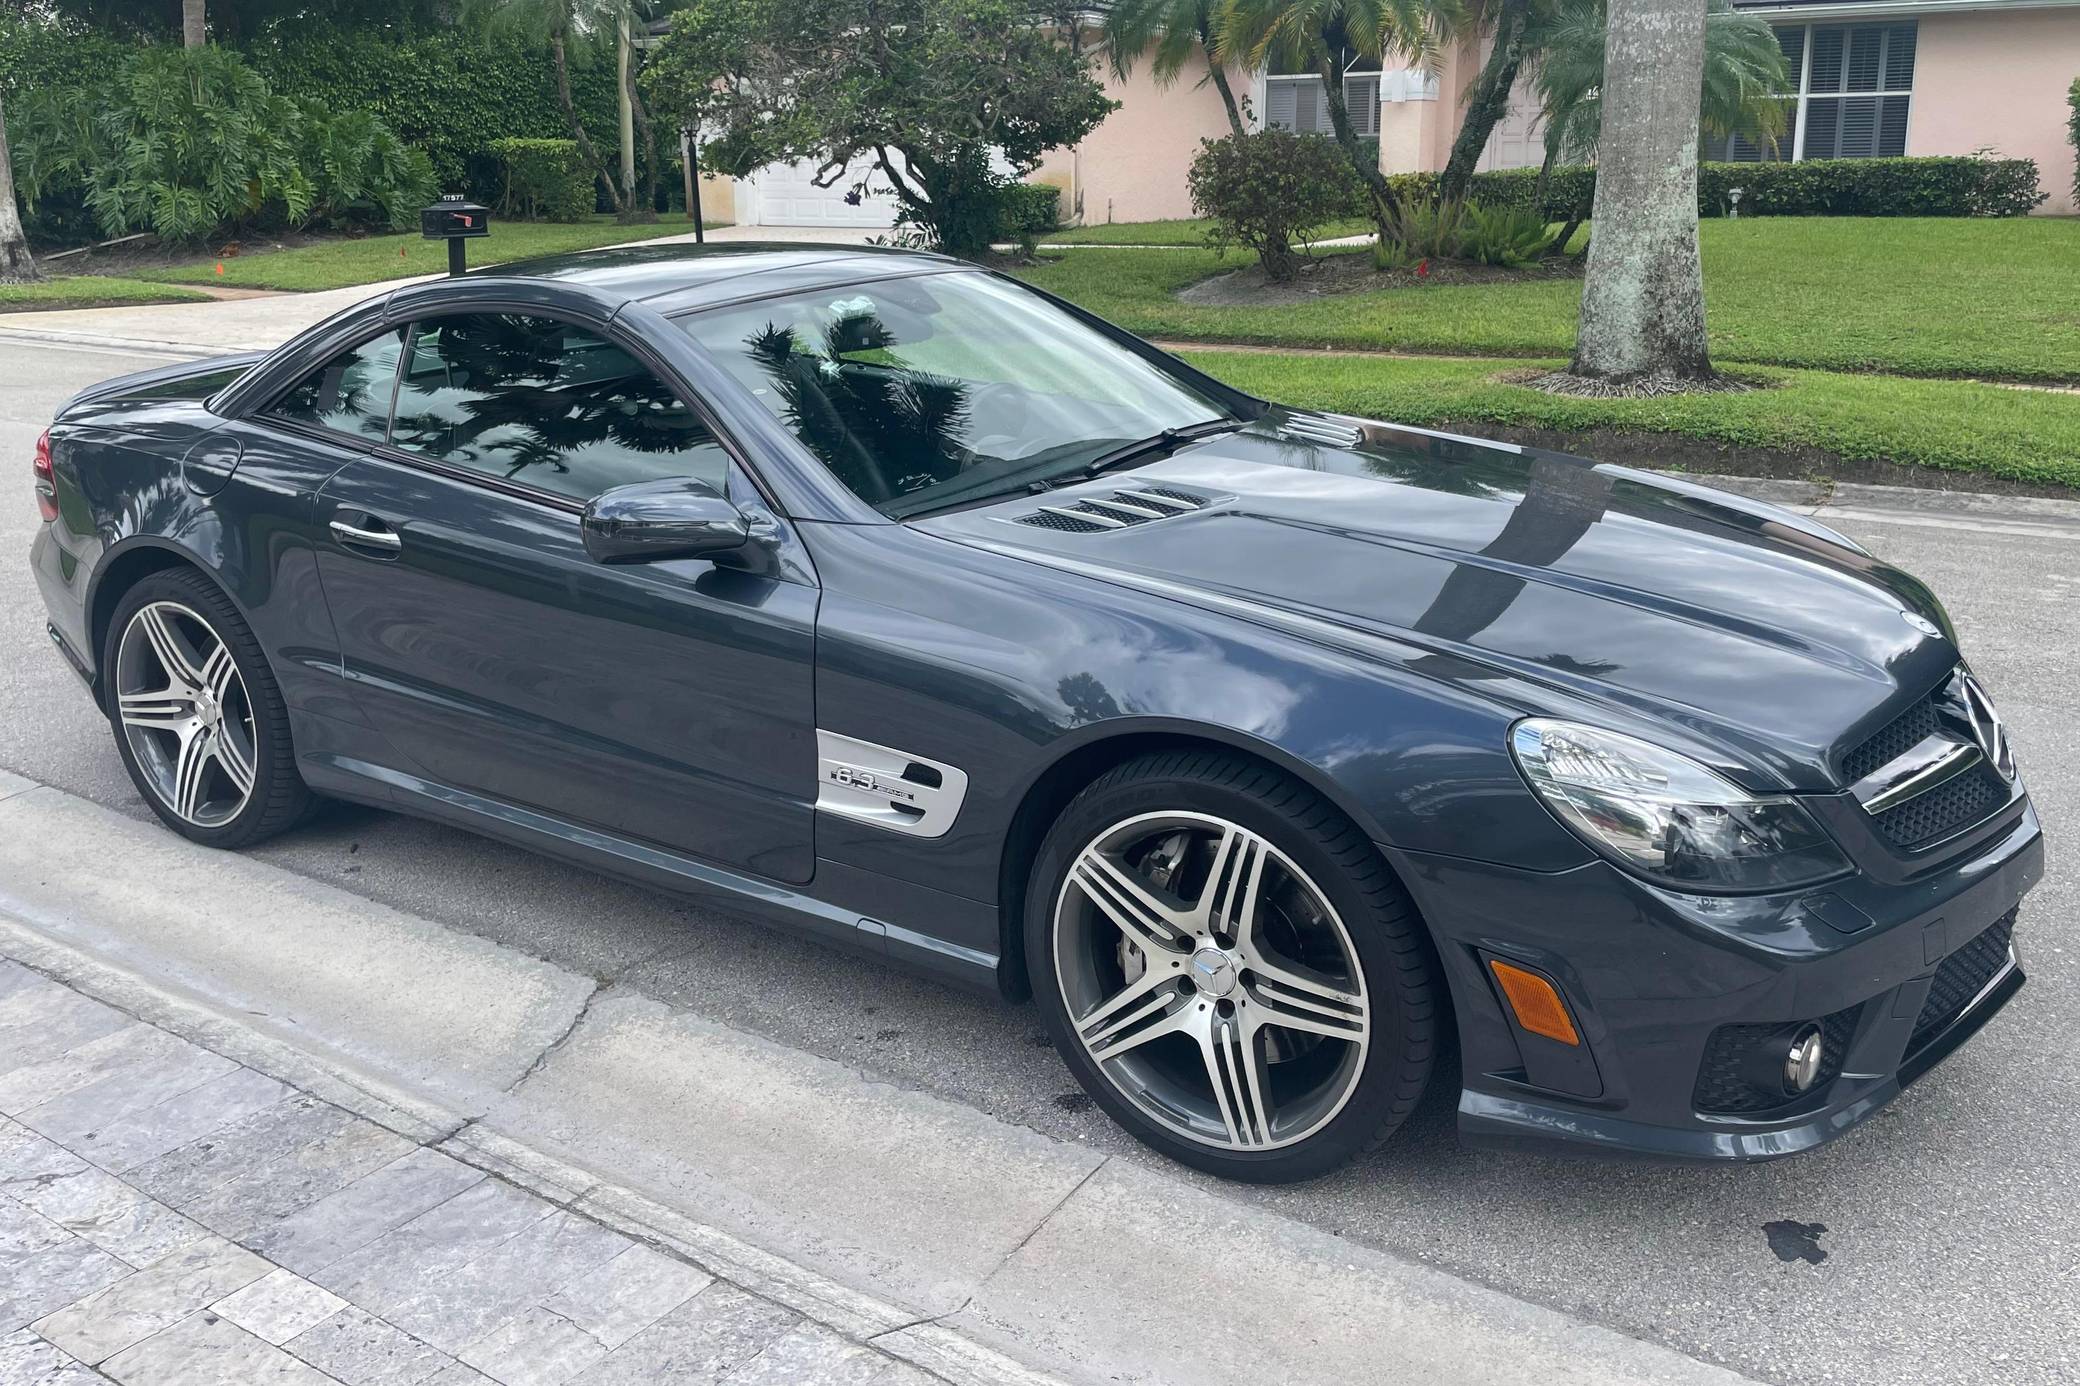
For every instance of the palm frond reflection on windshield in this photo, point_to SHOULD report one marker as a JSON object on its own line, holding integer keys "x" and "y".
{"x": 882, "y": 427}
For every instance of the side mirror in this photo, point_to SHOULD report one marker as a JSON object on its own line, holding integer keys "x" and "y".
{"x": 651, "y": 520}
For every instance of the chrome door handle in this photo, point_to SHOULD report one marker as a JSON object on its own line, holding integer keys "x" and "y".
{"x": 367, "y": 538}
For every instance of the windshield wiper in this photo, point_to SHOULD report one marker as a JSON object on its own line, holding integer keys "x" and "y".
{"x": 1169, "y": 440}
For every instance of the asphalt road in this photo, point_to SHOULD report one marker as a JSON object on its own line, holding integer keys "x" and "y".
{"x": 1952, "y": 1233}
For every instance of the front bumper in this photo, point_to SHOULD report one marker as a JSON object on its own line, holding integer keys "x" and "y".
{"x": 1652, "y": 975}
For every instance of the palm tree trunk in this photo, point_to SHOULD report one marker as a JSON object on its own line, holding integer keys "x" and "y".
{"x": 1488, "y": 103}
{"x": 1366, "y": 165}
{"x": 570, "y": 113}
{"x": 1643, "y": 296}
{"x": 16, "y": 263}
{"x": 1219, "y": 73}
{"x": 646, "y": 205}
{"x": 194, "y": 32}
{"x": 624, "y": 68}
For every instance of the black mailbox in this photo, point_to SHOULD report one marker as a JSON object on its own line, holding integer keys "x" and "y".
{"x": 453, "y": 220}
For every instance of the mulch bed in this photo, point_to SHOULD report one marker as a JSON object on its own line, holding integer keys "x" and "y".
{"x": 1354, "y": 273}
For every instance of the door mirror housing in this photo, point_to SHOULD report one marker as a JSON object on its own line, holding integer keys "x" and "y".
{"x": 653, "y": 520}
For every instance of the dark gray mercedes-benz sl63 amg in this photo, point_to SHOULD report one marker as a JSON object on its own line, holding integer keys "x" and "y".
{"x": 1276, "y": 755}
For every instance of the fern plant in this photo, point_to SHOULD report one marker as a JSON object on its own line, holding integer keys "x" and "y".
{"x": 1503, "y": 235}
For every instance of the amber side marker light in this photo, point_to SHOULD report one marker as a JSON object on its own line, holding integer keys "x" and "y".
{"x": 1539, "y": 1008}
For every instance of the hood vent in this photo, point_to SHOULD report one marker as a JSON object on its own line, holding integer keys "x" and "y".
{"x": 1118, "y": 510}
{"x": 1333, "y": 429}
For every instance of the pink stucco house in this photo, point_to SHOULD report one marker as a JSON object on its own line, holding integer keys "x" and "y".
{"x": 1873, "y": 77}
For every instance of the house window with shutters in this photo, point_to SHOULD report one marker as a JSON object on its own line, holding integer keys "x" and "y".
{"x": 1854, "y": 85}
{"x": 1296, "y": 101}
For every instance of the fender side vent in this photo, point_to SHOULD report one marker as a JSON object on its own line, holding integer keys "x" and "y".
{"x": 1119, "y": 509}
{"x": 1337, "y": 432}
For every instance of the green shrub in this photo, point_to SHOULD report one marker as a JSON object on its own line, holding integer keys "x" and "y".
{"x": 1270, "y": 189}
{"x": 363, "y": 173}
{"x": 2073, "y": 133}
{"x": 1423, "y": 230}
{"x": 1569, "y": 191}
{"x": 1030, "y": 210}
{"x": 1941, "y": 186}
{"x": 451, "y": 92}
{"x": 188, "y": 142}
{"x": 545, "y": 180}
{"x": 1962, "y": 186}
{"x": 1502, "y": 235}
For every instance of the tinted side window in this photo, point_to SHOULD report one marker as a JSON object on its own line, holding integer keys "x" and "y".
{"x": 349, "y": 393}
{"x": 543, "y": 402}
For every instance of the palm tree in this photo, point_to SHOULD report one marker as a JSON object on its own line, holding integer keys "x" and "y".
{"x": 1315, "y": 35}
{"x": 1642, "y": 317}
{"x": 16, "y": 263}
{"x": 1179, "y": 30}
{"x": 1744, "y": 78}
{"x": 1562, "y": 42}
{"x": 566, "y": 24}
{"x": 194, "y": 32}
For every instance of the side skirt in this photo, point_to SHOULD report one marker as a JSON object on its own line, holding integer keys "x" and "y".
{"x": 770, "y": 902}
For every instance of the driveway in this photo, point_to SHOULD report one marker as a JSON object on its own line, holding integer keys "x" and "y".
{"x": 1939, "y": 1243}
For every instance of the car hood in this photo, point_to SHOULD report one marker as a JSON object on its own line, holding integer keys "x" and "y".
{"x": 1554, "y": 583}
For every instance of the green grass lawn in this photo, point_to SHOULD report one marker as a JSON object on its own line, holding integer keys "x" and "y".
{"x": 1190, "y": 231}
{"x": 338, "y": 264}
{"x": 1920, "y": 296}
{"x": 88, "y": 291}
{"x": 2024, "y": 435}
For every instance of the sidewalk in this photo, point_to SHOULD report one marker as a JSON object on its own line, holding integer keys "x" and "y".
{"x": 174, "y": 1218}
{"x": 475, "y": 1135}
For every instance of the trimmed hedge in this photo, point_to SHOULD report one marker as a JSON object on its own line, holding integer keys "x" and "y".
{"x": 1915, "y": 187}
{"x": 1031, "y": 209}
{"x": 545, "y": 180}
{"x": 450, "y": 92}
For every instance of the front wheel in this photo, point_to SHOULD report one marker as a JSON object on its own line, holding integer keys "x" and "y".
{"x": 1229, "y": 968}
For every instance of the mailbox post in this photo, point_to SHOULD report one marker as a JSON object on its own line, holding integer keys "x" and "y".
{"x": 453, "y": 220}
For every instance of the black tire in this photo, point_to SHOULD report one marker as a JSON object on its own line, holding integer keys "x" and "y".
{"x": 278, "y": 799}
{"x": 1401, "y": 982}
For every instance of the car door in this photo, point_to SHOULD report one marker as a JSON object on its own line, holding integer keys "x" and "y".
{"x": 664, "y": 701}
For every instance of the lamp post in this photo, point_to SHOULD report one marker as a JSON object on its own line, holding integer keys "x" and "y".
{"x": 454, "y": 220}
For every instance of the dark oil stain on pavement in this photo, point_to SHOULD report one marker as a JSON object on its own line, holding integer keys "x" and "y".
{"x": 1073, "y": 1102}
{"x": 1796, "y": 1241}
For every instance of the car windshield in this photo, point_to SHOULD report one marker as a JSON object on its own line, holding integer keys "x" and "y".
{"x": 945, "y": 388}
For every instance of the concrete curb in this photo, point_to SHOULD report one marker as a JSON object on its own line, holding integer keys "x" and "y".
{"x": 934, "y": 1232}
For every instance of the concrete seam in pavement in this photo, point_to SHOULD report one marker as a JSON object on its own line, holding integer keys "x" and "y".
{"x": 148, "y": 1004}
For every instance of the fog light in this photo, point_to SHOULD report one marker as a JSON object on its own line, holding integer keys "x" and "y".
{"x": 1802, "y": 1062}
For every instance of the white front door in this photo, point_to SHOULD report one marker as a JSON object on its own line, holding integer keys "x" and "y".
{"x": 1519, "y": 139}
{"x": 786, "y": 195}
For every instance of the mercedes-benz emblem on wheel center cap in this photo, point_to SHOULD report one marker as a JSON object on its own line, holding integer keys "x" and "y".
{"x": 1921, "y": 623}
{"x": 1214, "y": 971}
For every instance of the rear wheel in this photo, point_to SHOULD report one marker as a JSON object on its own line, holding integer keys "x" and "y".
{"x": 201, "y": 727}
{"x": 1229, "y": 968}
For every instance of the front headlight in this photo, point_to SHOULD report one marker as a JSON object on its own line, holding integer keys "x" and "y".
{"x": 1667, "y": 817}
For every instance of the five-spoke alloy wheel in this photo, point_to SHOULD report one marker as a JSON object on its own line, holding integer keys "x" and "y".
{"x": 1187, "y": 927}
{"x": 200, "y": 723}
{"x": 1240, "y": 982}
{"x": 185, "y": 712}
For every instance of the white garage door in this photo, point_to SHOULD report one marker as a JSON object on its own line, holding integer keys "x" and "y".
{"x": 786, "y": 195}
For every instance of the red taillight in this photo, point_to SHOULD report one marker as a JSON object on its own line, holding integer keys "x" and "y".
{"x": 46, "y": 478}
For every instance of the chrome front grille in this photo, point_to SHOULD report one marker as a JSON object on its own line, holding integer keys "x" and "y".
{"x": 1939, "y": 767}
